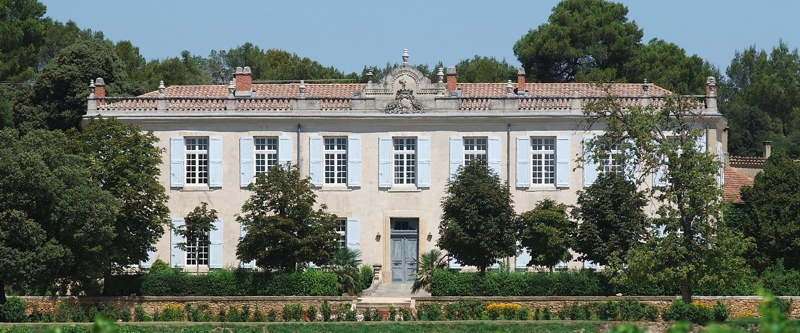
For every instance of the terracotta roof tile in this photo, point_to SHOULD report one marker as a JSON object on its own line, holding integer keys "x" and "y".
{"x": 467, "y": 90}
{"x": 734, "y": 180}
{"x": 747, "y": 162}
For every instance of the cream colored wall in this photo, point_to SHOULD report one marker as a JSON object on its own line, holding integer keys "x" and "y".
{"x": 374, "y": 206}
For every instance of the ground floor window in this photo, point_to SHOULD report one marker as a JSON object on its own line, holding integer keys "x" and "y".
{"x": 197, "y": 255}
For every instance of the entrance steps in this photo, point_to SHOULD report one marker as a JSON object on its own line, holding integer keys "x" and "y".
{"x": 397, "y": 295}
{"x": 394, "y": 290}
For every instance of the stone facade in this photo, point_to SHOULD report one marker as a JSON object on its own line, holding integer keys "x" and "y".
{"x": 439, "y": 124}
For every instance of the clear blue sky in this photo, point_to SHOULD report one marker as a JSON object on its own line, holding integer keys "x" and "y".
{"x": 351, "y": 34}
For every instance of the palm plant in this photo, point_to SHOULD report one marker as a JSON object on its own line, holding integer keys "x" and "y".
{"x": 344, "y": 263}
{"x": 429, "y": 263}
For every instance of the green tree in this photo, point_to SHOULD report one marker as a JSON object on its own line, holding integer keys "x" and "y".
{"x": 583, "y": 40}
{"x": 344, "y": 263}
{"x": 126, "y": 162}
{"x": 609, "y": 219}
{"x": 61, "y": 88}
{"x": 22, "y": 32}
{"x": 429, "y": 263}
{"x": 772, "y": 209}
{"x": 284, "y": 231}
{"x": 186, "y": 70}
{"x": 485, "y": 70}
{"x": 666, "y": 65}
{"x": 196, "y": 229}
{"x": 696, "y": 246}
{"x": 545, "y": 233}
{"x": 59, "y": 36}
{"x": 761, "y": 99}
{"x": 52, "y": 195}
{"x": 478, "y": 223}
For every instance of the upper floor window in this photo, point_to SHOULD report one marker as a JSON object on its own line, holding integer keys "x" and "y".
{"x": 266, "y": 154}
{"x": 196, "y": 160}
{"x": 335, "y": 152}
{"x": 612, "y": 162}
{"x": 474, "y": 150}
{"x": 543, "y": 161}
{"x": 405, "y": 160}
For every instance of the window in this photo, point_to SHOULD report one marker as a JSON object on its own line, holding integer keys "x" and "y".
{"x": 335, "y": 160}
{"x": 543, "y": 161}
{"x": 266, "y": 154}
{"x": 405, "y": 161}
{"x": 474, "y": 149}
{"x": 341, "y": 229}
{"x": 196, "y": 160}
{"x": 201, "y": 256}
{"x": 612, "y": 161}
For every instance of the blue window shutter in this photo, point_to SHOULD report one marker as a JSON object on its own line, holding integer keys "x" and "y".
{"x": 454, "y": 264}
{"x": 523, "y": 258}
{"x": 284, "y": 149}
{"x": 589, "y": 167}
{"x": 353, "y": 234}
{"x": 245, "y": 160}
{"x": 215, "y": 246}
{"x": 176, "y": 161}
{"x": 456, "y": 155}
{"x": 493, "y": 153}
{"x": 385, "y": 162}
{"x": 176, "y": 254}
{"x": 562, "y": 161}
{"x": 242, "y": 234}
{"x": 423, "y": 161}
{"x": 523, "y": 161}
{"x": 721, "y": 160}
{"x": 354, "y": 160}
{"x": 151, "y": 257}
{"x": 215, "y": 161}
{"x": 315, "y": 160}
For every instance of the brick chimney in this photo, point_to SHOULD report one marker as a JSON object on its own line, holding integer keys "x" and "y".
{"x": 451, "y": 78}
{"x": 99, "y": 88}
{"x": 520, "y": 80}
{"x": 767, "y": 149}
{"x": 243, "y": 79}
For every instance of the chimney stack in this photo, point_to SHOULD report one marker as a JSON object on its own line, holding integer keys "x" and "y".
{"x": 99, "y": 88}
{"x": 451, "y": 78}
{"x": 244, "y": 82}
{"x": 520, "y": 80}
{"x": 767, "y": 149}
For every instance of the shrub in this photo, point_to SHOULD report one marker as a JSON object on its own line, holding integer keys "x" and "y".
{"x": 779, "y": 304}
{"x": 524, "y": 313}
{"x": 171, "y": 312}
{"x": 392, "y": 313}
{"x": 312, "y": 313}
{"x": 292, "y": 312}
{"x": 195, "y": 313}
{"x": 608, "y": 310}
{"x": 272, "y": 316}
{"x": 325, "y": 310}
{"x": 139, "y": 315}
{"x": 13, "y": 311}
{"x": 233, "y": 315}
{"x": 573, "y": 311}
{"x": 366, "y": 276}
{"x": 259, "y": 316}
{"x": 721, "y": 312}
{"x": 631, "y": 310}
{"x": 546, "y": 314}
{"x": 700, "y": 313}
{"x": 159, "y": 266}
{"x": 650, "y": 312}
{"x": 246, "y": 312}
{"x": 695, "y": 312}
{"x": 123, "y": 284}
{"x": 431, "y": 311}
{"x": 405, "y": 313}
{"x": 220, "y": 282}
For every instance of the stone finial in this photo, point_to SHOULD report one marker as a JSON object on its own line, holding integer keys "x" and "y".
{"x": 521, "y": 71}
{"x": 711, "y": 86}
{"x": 509, "y": 88}
{"x": 767, "y": 149}
{"x": 645, "y": 86}
{"x": 302, "y": 88}
{"x": 440, "y": 74}
{"x": 405, "y": 57}
{"x": 239, "y": 70}
{"x": 231, "y": 88}
{"x": 91, "y": 88}
{"x": 246, "y": 70}
{"x": 369, "y": 75}
{"x": 161, "y": 88}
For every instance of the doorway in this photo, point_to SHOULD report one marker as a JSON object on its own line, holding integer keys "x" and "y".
{"x": 404, "y": 249}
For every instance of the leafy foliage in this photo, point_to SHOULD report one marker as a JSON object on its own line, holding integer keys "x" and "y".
{"x": 668, "y": 66}
{"x": 584, "y": 40}
{"x": 485, "y": 70}
{"x": 609, "y": 219}
{"x": 428, "y": 264}
{"x": 772, "y": 213}
{"x": 196, "y": 228}
{"x": 344, "y": 264}
{"x": 545, "y": 233}
{"x": 283, "y": 229}
{"x": 23, "y": 29}
{"x": 478, "y": 223}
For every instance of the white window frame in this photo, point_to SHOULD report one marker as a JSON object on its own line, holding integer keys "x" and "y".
{"x": 203, "y": 254}
{"x": 542, "y": 180}
{"x": 335, "y": 160}
{"x": 475, "y": 148}
{"x": 197, "y": 159}
{"x": 341, "y": 229}
{"x": 610, "y": 162}
{"x": 270, "y": 156}
{"x": 408, "y": 173}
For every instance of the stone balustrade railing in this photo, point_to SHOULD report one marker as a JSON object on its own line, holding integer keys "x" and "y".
{"x": 442, "y": 104}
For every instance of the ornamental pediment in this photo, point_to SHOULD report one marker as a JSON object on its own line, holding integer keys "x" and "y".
{"x": 405, "y": 89}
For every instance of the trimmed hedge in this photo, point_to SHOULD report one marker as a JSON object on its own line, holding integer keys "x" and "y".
{"x": 590, "y": 283}
{"x": 223, "y": 282}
